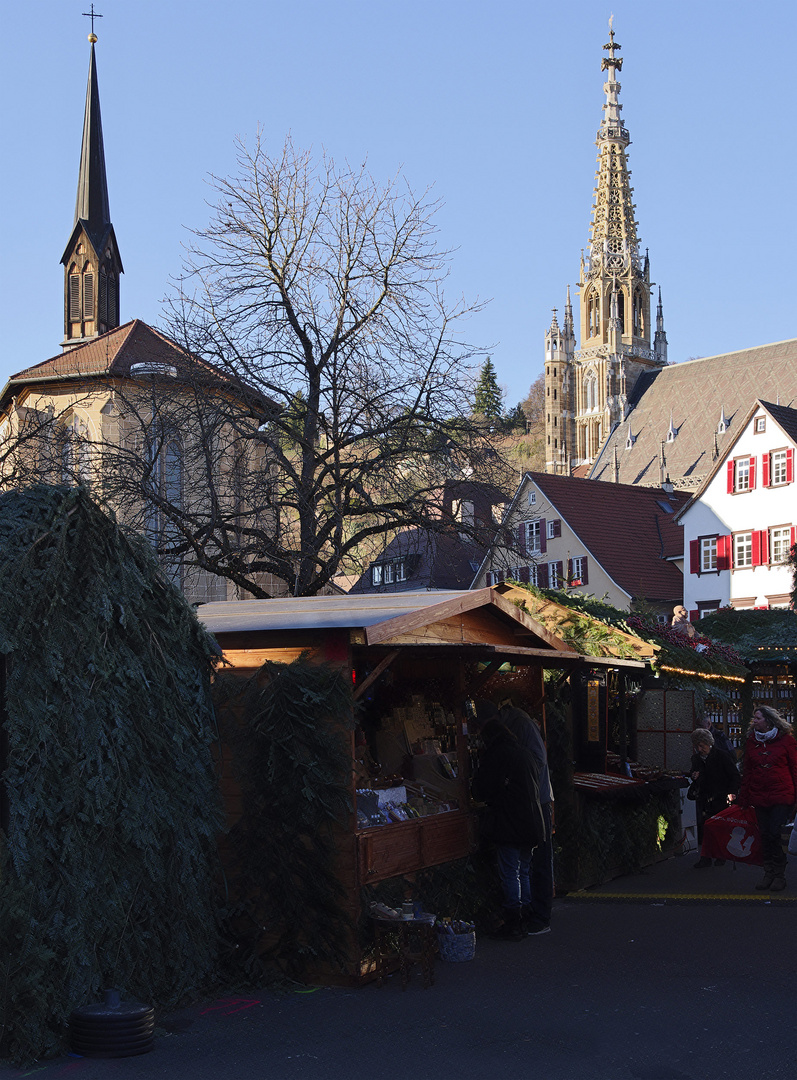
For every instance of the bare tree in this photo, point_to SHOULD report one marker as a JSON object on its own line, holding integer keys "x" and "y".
{"x": 328, "y": 397}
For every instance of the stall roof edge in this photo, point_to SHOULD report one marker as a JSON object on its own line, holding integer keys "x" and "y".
{"x": 361, "y": 611}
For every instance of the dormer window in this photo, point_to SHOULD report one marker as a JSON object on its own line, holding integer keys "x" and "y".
{"x": 629, "y": 442}
{"x": 760, "y": 425}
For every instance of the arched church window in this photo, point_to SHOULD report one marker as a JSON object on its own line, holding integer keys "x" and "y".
{"x": 74, "y": 451}
{"x": 165, "y": 501}
{"x": 590, "y": 392}
{"x": 74, "y": 297}
{"x": 639, "y": 315}
{"x": 593, "y": 313}
{"x": 621, "y": 309}
{"x": 88, "y": 295}
{"x": 103, "y": 297}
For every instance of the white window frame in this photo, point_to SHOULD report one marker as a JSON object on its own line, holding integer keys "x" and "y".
{"x": 534, "y": 535}
{"x": 779, "y": 544}
{"x": 553, "y": 575}
{"x": 778, "y": 467}
{"x": 533, "y": 574}
{"x": 708, "y": 554}
{"x": 576, "y": 567}
{"x": 741, "y": 474}
{"x": 376, "y": 573}
{"x": 550, "y": 527}
{"x": 742, "y": 550}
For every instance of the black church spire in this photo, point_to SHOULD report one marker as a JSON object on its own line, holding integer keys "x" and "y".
{"x": 91, "y": 258}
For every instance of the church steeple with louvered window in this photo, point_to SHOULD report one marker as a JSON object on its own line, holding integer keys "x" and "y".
{"x": 91, "y": 259}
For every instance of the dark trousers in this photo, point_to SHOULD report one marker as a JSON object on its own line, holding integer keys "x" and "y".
{"x": 706, "y": 808}
{"x": 541, "y": 873}
{"x": 771, "y": 820}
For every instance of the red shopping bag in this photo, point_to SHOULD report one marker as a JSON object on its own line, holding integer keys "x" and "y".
{"x": 733, "y": 834}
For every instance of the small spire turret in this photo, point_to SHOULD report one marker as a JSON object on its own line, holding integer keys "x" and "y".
{"x": 660, "y": 338}
{"x": 91, "y": 258}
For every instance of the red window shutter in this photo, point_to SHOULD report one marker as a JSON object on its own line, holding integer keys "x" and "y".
{"x": 793, "y": 536}
{"x": 544, "y": 538}
{"x": 694, "y": 615}
{"x": 723, "y": 552}
{"x": 790, "y": 465}
{"x": 569, "y": 571}
{"x": 584, "y": 574}
{"x": 524, "y": 574}
{"x": 730, "y": 478}
{"x": 694, "y": 556}
{"x": 765, "y": 470}
{"x": 560, "y": 574}
{"x": 521, "y": 538}
{"x": 759, "y": 547}
{"x": 557, "y": 527}
{"x": 752, "y": 473}
{"x": 542, "y": 576}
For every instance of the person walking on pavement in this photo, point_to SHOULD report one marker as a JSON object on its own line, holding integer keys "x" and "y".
{"x": 536, "y": 913}
{"x": 716, "y": 776}
{"x": 507, "y": 781}
{"x": 769, "y": 785}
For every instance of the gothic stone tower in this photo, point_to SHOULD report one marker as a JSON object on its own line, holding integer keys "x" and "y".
{"x": 91, "y": 259}
{"x": 615, "y": 329}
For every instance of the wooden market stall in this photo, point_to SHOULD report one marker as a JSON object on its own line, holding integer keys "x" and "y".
{"x": 617, "y": 809}
{"x": 415, "y": 661}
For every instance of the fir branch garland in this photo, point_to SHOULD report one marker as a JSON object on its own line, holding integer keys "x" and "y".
{"x": 108, "y": 860}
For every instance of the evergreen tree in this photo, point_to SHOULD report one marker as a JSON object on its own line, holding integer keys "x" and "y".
{"x": 487, "y": 401}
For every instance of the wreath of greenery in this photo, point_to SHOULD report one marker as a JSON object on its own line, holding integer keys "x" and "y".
{"x": 111, "y": 810}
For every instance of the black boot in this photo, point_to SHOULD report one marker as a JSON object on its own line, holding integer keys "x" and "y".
{"x": 702, "y": 863}
{"x": 512, "y": 927}
{"x": 766, "y": 881}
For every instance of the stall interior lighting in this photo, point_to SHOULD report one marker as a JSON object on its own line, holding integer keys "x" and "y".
{"x": 701, "y": 674}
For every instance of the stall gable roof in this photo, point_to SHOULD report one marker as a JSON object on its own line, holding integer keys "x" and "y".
{"x": 383, "y": 616}
{"x": 556, "y": 614}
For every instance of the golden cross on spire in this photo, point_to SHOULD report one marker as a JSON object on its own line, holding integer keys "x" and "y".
{"x": 92, "y": 15}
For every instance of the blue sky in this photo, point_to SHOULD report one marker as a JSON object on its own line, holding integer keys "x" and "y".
{"x": 495, "y": 106}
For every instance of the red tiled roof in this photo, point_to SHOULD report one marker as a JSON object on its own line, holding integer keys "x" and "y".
{"x": 627, "y": 528}
{"x": 110, "y": 354}
{"x": 115, "y": 353}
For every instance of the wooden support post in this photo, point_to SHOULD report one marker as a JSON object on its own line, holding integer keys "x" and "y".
{"x": 371, "y": 679}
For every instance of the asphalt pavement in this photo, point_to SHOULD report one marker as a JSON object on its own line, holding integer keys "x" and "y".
{"x": 672, "y": 974}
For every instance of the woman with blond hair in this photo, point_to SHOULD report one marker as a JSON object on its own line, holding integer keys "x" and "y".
{"x": 769, "y": 784}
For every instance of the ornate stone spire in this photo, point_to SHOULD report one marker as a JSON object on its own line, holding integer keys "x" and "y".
{"x": 91, "y": 259}
{"x": 614, "y": 244}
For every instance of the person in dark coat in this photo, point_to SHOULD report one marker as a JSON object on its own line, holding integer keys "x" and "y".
{"x": 716, "y": 775}
{"x": 507, "y": 780}
{"x": 721, "y": 740}
{"x": 537, "y": 913}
